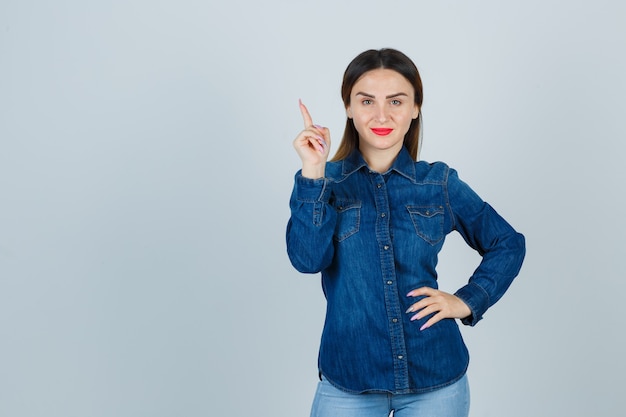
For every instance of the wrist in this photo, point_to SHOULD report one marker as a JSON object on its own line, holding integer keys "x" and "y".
{"x": 313, "y": 172}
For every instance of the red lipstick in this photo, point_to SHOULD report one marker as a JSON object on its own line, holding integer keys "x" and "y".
{"x": 382, "y": 131}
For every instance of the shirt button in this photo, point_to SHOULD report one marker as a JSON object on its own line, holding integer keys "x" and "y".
{"x": 378, "y": 185}
{"x": 400, "y": 357}
{"x": 389, "y": 282}
{"x": 383, "y": 215}
{"x": 386, "y": 247}
{"x": 394, "y": 320}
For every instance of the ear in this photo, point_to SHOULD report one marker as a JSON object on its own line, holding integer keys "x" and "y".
{"x": 348, "y": 112}
{"x": 416, "y": 112}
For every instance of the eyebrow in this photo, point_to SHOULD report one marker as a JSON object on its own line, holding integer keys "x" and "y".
{"x": 360, "y": 93}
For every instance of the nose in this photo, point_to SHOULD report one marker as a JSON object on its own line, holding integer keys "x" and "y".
{"x": 381, "y": 113}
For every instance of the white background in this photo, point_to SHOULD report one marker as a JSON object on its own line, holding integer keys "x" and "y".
{"x": 146, "y": 166}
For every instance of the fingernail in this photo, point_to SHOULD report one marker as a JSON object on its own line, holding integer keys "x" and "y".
{"x": 409, "y": 310}
{"x": 423, "y": 327}
{"x": 322, "y": 141}
{"x": 414, "y": 317}
{"x": 319, "y": 127}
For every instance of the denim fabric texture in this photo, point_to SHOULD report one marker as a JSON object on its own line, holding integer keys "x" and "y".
{"x": 450, "y": 401}
{"x": 375, "y": 237}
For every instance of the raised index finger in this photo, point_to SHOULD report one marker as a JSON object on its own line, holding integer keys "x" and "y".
{"x": 308, "y": 122}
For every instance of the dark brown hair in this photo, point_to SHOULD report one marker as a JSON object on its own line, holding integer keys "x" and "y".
{"x": 380, "y": 59}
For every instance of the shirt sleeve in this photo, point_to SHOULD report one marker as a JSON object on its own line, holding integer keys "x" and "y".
{"x": 501, "y": 247}
{"x": 311, "y": 225}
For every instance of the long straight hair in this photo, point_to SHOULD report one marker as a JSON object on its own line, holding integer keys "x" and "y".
{"x": 373, "y": 59}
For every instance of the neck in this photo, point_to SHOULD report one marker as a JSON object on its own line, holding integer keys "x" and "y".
{"x": 380, "y": 160}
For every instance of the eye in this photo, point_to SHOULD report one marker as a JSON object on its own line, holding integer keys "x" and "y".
{"x": 396, "y": 102}
{"x": 367, "y": 101}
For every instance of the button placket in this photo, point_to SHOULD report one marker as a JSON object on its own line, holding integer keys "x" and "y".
{"x": 392, "y": 299}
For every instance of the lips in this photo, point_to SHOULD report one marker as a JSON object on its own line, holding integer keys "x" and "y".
{"x": 381, "y": 131}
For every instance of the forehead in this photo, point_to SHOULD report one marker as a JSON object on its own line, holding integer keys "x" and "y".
{"x": 384, "y": 81}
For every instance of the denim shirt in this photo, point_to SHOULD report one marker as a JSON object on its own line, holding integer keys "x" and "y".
{"x": 375, "y": 237}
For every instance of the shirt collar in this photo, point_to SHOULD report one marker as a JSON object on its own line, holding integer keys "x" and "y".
{"x": 403, "y": 165}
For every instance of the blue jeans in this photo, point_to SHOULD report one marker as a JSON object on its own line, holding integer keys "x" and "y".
{"x": 450, "y": 401}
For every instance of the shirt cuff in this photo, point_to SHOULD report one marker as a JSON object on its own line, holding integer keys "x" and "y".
{"x": 312, "y": 190}
{"x": 476, "y": 299}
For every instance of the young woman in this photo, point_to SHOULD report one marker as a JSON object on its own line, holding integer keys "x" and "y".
{"x": 373, "y": 220}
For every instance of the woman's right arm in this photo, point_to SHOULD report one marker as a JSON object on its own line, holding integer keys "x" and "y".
{"x": 310, "y": 228}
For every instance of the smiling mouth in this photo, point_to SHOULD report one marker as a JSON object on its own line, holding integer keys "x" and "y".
{"x": 382, "y": 131}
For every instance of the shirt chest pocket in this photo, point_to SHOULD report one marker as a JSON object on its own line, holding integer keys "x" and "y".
{"x": 428, "y": 222}
{"x": 348, "y": 218}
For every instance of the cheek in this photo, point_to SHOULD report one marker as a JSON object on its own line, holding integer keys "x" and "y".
{"x": 361, "y": 118}
{"x": 404, "y": 117}
{"x": 404, "y": 121}
{"x": 361, "y": 125}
